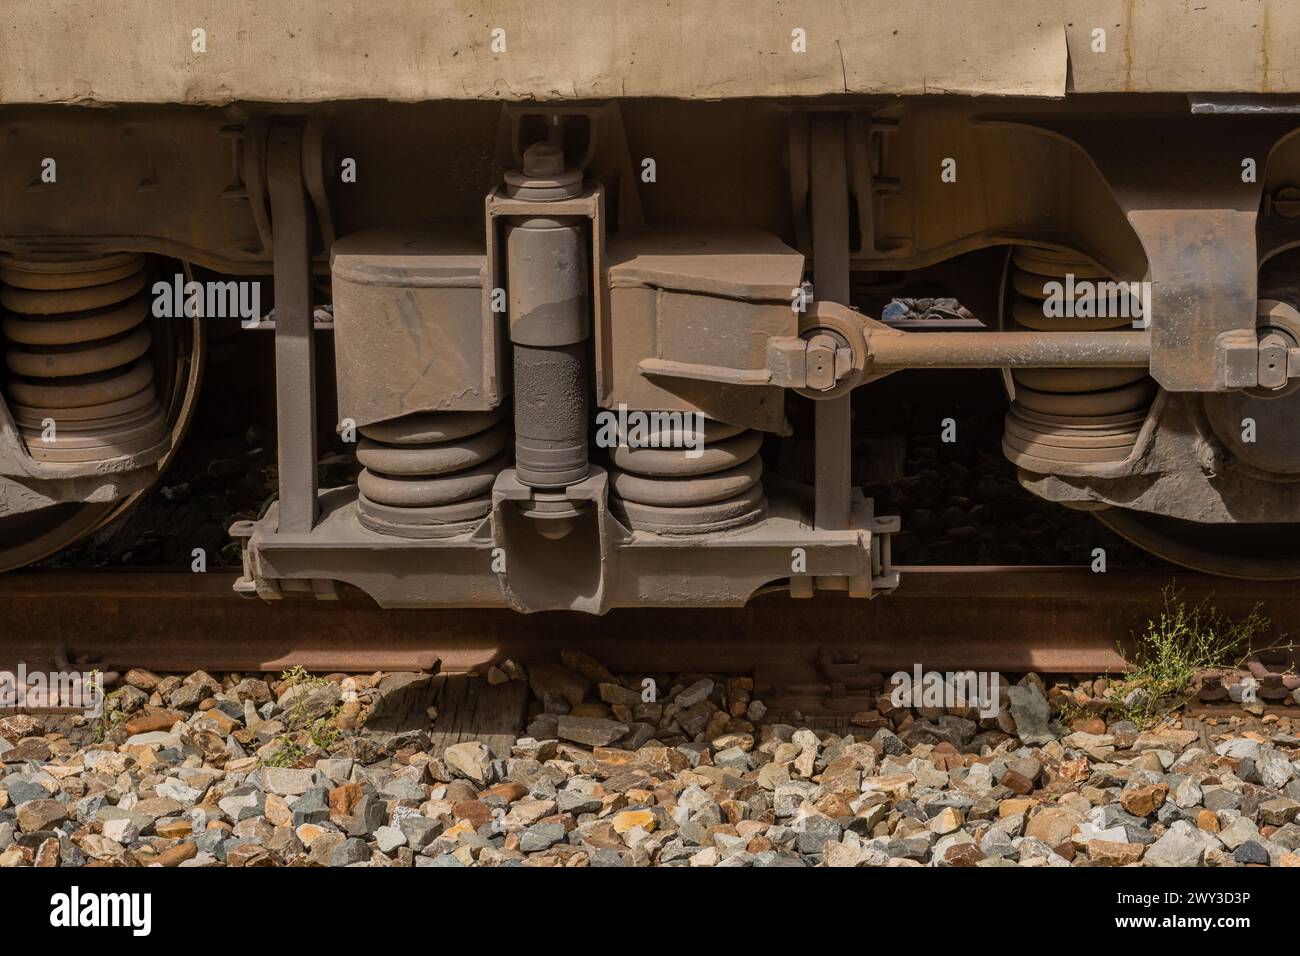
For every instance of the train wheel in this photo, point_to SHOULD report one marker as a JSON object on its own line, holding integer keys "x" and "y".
{"x": 1254, "y": 551}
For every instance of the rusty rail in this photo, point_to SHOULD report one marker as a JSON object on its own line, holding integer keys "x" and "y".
{"x": 1049, "y": 619}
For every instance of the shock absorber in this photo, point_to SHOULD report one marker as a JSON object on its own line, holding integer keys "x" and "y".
{"x": 550, "y": 323}
{"x": 430, "y": 475}
{"x": 81, "y": 386}
{"x": 665, "y": 487}
{"x": 1069, "y": 416}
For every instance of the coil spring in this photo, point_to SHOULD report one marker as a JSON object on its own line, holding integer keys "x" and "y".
{"x": 1069, "y": 416}
{"x": 430, "y": 475}
{"x": 665, "y": 490}
{"x": 77, "y": 354}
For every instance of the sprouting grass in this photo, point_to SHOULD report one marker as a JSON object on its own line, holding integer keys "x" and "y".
{"x": 321, "y": 732}
{"x": 1178, "y": 643}
{"x": 288, "y": 754}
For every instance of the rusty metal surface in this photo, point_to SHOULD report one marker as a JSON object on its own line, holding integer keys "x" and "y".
{"x": 898, "y": 350}
{"x": 830, "y": 235}
{"x": 1051, "y": 619}
{"x": 412, "y": 332}
{"x": 295, "y": 342}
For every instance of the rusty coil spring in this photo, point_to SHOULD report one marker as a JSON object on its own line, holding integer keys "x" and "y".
{"x": 430, "y": 475}
{"x": 672, "y": 489}
{"x": 1069, "y": 416}
{"x": 81, "y": 386}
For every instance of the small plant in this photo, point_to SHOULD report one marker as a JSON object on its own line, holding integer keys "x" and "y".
{"x": 298, "y": 675}
{"x": 325, "y": 733}
{"x": 1176, "y": 645}
{"x": 321, "y": 728}
{"x": 106, "y": 723}
{"x": 287, "y": 755}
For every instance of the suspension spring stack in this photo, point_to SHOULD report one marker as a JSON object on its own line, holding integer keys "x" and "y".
{"x": 81, "y": 386}
{"x": 430, "y": 475}
{"x": 1069, "y": 418}
{"x": 666, "y": 487}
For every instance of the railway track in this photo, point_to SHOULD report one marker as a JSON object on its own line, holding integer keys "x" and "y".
{"x": 805, "y": 738}
{"x": 1015, "y": 619}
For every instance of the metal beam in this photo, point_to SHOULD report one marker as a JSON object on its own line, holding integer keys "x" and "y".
{"x": 899, "y": 350}
{"x": 830, "y": 230}
{"x": 295, "y": 358}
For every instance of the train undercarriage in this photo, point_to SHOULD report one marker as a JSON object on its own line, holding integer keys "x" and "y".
{"x": 572, "y": 344}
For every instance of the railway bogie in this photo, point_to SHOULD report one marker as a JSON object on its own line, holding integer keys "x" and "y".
{"x": 575, "y": 340}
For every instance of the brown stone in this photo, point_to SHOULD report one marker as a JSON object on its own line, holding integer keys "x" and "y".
{"x": 601, "y": 836}
{"x": 1052, "y": 825}
{"x": 475, "y": 811}
{"x": 1112, "y": 853}
{"x": 17, "y": 726}
{"x": 1076, "y": 770}
{"x": 36, "y": 815}
{"x": 964, "y": 854}
{"x": 248, "y": 854}
{"x": 178, "y": 854}
{"x": 614, "y": 756}
{"x": 158, "y": 807}
{"x": 733, "y": 811}
{"x": 587, "y": 666}
{"x": 758, "y": 844}
{"x": 47, "y": 854}
{"x": 1144, "y": 801}
{"x": 343, "y": 798}
{"x": 151, "y": 719}
{"x": 725, "y": 829}
{"x": 277, "y": 811}
{"x": 549, "y": 678}
{"x": 509, "y": 791}
{"x": 1208, "y": 821}
{"x": 947, "y": 761}
{"x": 218, "y": 721}
{"x": 834, "y": 805}
{"x": 348, "y": 716}
{"x": 17, "y": 856}
{"x": 32, "y": 748}
{"x": 1011, "y": 807}
{"x": 1017, "y": 783}
{"x": 626, "y": 820}
{"x": 871, "y": 720}
{"x": 142, "y": 679}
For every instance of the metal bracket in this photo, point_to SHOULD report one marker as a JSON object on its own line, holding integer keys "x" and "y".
{"x": 1181, "y": 185}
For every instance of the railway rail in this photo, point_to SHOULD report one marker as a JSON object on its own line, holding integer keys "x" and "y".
{"x": 1046, "y": 619}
